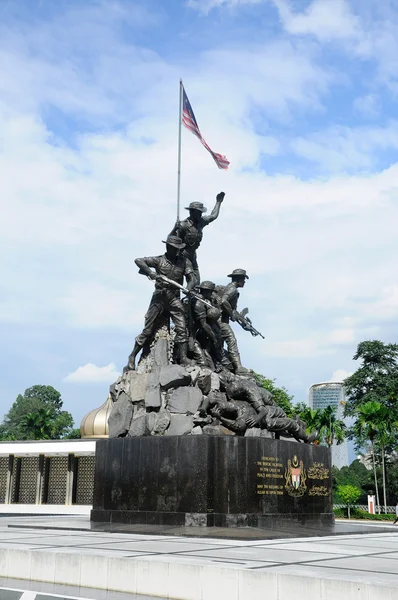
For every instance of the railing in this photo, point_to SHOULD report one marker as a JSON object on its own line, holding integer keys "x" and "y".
{"x": 390, "y": 509}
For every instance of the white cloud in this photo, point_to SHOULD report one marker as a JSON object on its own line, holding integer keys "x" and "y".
{"x": 347, "y": 148}
{"x": 91, "y": 373}
{"x": 321, "y": 19}
{"x": 384, "y": 305}
{"x": 301, "y": 348}
{"x": 342, "y": 336}
{"x": 368, "y": 106}
{"x": 340, "y": 375}
{"x": 78, "y": 208}
{"x": 205, "y": 6}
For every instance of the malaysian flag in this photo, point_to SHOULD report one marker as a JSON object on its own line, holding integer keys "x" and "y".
{"x": 188, "y": 119}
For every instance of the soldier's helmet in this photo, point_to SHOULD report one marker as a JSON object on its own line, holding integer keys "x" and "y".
{"x": 207, "y": 285}
{"x": 196, "y": 206}
{"x": 213, "y": 314}
{"x": 239, "y": 273}
{"x": 174, "y": 240}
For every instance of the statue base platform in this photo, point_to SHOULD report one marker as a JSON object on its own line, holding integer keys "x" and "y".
{"x": 212, "y": 481}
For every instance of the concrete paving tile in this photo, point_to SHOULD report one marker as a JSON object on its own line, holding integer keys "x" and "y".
{"x": 362, "y": 542}
{"x": 314, "y": 548}
{"x": 20, "y": 547}
{"x": 9, "y": 594}
{"x": 213, "y": 541}
{"x": 260, "y": 554}
{"x": 323, "y": 572}
{"x": 364, "y": 564}
{"x": 392, "y": 555}
{"x": 90, "y": 552}
{"x": 61, "y": 541}
{"x": 192, "y": 559}
{"x": 154, "y": 547}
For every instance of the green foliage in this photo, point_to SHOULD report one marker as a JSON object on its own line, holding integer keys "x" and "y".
{"x": 281, "y": 395}
{"x": 330, "y": 428}
{"x": 74, "y": 434}
{"x": 349, "y": 493}
{"x": 370, "y": 420}
{"x": 372, "y": 393}
{"x": 357, "y": 513}
{"x": 355, "y": 474}
{"x": 363, "y": 514}
{"x": 36, "y": 415}
{"x": 392, "y": 479}
{"x": 300, "y": 407}
{"x": 311, "y": 418}
{"x": 376, "y": 380}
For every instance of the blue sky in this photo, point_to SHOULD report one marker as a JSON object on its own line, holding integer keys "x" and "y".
{"x": 300, "y": 96}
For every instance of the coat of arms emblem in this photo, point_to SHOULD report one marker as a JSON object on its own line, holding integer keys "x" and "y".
{"x": 295, "y": 477}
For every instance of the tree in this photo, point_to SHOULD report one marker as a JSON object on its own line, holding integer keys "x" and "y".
{"x": 280, "y": 395}
{"x": 365, "y": 428}
{"x": 376, "y": 380}
{"x": 74, "y": 434}
{"x": 355, "y": 474}
{"x": 372, "y": 393}
{"x": 349, "y": 494}
{"x": 312, "y": 419}
{"x": 299, "y": 407}
{"x": 332, "y": 428}
{"x": 36, "y": 415}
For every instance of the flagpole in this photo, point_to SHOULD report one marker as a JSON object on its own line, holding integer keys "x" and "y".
{"x": 179, "y": 154}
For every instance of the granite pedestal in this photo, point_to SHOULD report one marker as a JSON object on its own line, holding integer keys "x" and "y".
{"x": 212, "y": 481}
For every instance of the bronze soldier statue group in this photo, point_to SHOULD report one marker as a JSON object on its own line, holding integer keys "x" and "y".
{"x": 203, "y": 319}
{"x": 202, "y": 326}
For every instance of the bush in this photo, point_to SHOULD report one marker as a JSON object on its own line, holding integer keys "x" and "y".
{"x": 356, "y": 513}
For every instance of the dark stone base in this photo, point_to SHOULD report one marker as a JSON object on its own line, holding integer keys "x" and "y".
{"x": 206, "y": 481}
{"x": 271, "y": 521}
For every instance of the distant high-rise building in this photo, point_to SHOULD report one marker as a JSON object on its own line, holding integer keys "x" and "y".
{"x": 326, "y": 394}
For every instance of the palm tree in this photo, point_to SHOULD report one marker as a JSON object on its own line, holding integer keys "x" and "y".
{"x": 367, "y": 425}
{"x": 332, "y": 428}
{"x": 311, "y": 418}
{"x": 387, "y": 426}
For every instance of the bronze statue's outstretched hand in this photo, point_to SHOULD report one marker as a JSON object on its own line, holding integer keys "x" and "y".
{"x": 220, "y": 197}
{"x": 251, "y": 421}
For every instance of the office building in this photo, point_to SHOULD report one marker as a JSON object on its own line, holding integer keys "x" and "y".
{"x": 326, "y": 394}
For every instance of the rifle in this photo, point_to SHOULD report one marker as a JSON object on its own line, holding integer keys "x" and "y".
{"x": 247, "y": 324}
{"x": 184, "y": 290}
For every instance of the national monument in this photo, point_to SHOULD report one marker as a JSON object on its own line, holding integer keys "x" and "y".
{"x": 194, "y": 439}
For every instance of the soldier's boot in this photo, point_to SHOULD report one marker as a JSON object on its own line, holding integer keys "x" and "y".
{"x": 182, "y": 349}
{"x": 131, "y": 362}
{"x": 238, "y": 368}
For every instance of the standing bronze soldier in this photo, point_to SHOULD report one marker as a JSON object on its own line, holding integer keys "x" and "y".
{"x": 207, "y": 326}
{"x": 228, "y": 302}
{"x": 191, "y": 229}
{"x": 166, "y": 298}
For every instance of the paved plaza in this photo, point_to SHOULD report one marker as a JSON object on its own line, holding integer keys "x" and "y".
{"x": 44, "y": 554}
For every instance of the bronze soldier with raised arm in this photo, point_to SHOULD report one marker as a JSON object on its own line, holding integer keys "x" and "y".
{"x": 190, "y": 230}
